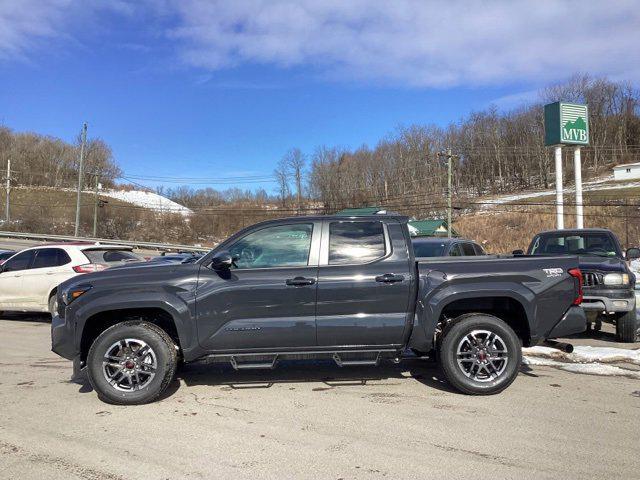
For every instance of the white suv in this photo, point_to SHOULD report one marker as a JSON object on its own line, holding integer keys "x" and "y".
{"x": 29, "y": 279}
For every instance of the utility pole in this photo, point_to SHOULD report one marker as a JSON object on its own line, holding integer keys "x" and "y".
{"x": 95, "y": 208}
{"x": 82, "y": 146}
{"x": 6, "y": 213}
{"x": 449, "y": 156}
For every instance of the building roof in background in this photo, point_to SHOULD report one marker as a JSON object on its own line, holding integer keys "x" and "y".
{"x": 417, "y": 228}
{"x": 359, "y": 212}
{"x": 430, "y": 228}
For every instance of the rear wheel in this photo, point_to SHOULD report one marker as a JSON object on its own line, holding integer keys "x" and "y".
{"x": 626, "y": 327}
{"x": 480, "y": 354}
{"x": 131, "y": 363}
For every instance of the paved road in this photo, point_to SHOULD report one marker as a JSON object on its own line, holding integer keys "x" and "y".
{"x": 310, "y": 420}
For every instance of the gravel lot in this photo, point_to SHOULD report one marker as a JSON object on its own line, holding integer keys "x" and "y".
{"x": 311, "y": 420}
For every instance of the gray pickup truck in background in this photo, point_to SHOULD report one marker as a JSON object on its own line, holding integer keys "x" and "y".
{"x": 609, "y": 283}
{"x": 343, "y": 288}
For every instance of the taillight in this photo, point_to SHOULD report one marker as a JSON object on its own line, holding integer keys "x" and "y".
{"x": 576, "y": 273}
{"x": 88, "y": 268}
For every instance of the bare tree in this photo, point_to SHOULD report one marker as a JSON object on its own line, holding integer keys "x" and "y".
{"x": 295, "y": 162}
{"x": 281, "y": 173}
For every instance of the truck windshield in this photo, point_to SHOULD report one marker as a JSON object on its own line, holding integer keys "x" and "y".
{"x": 428, "y": 249}
{"x": 598, "y": 244}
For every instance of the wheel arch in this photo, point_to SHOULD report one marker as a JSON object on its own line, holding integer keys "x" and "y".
{"x": 512, "y": 303}
{"x": 101, "y": 320}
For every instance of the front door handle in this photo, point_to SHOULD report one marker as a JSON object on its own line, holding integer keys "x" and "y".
{"x": 300, "y": 281}
{"x": 389, "y": 278}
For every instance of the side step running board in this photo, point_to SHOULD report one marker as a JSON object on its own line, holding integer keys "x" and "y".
{"x": 352, "y": 363}
{"x": 251, "y": 365}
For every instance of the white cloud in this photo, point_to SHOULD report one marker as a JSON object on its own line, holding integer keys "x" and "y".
{"x": 24, "y": 23}
{"x": 418, "y": 43}
{"x": 426, "y": 43}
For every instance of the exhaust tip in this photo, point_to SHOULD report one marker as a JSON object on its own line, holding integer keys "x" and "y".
{"x": 562, "y": 346}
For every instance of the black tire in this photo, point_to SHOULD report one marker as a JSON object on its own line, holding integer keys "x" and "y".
{"x": 53, "y": 304}
{"x": 162, "y": 348}
{"x": 626, "y": 327}
{"x": 497, "y": 379}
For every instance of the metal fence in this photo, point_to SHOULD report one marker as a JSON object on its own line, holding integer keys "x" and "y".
{"x": 108, "y": 241}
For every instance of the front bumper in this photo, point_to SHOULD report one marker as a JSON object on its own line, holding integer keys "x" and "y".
{"x": 574, "y": 321}
{"x": 62, "y": 338}
{"x": 609, "y": 300}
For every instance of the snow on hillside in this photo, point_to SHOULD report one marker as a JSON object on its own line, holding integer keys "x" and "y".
{"x": 593, "y": 185}
{"x": 149, "y": 200}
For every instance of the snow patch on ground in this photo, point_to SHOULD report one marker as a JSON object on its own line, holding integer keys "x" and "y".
{"x": 586, "y": 360}
{"x": 149, "y": 200}
{"x": 586, "y": 186}
{"x": 583, "y": 368}
{"x": 586, "y": 354}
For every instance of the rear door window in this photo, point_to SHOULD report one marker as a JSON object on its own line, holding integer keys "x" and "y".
{"x": 479, "y": 250}
{"x": 455, "y": 250}
{"x": 355, "y": 242}
{"x": 467, "y": 249}
{"x": 50, "y": 257}
{"x": 108, "y": 256}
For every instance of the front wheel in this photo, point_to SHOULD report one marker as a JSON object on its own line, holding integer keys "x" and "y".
{"x": 626, "y": 327}
{"x": 131, "y": 363}
{"x": 53, "y": 305}
{"x": 480, "y": 354}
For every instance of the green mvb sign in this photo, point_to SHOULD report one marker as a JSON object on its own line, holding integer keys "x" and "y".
{"x": 566, "y": 123}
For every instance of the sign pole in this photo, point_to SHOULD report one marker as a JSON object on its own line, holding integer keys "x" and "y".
{"x": 577, "y": 165}
{"x": 559, "y": 200}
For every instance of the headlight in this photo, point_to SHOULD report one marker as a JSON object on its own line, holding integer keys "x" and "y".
{"x": 616, "y": 279}
{"x": 72, "y": 293}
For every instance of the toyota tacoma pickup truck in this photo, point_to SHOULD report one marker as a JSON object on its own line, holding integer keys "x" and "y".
{"x": 343, "y": 288}
{"x": 608, "y": 282}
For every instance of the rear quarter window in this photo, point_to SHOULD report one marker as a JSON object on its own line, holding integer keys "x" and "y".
{"x": 109, "y": 256}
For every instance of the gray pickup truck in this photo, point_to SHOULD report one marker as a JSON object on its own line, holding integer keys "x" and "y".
{"x": 343, "y": 288}
{"x": 608, "y": 282}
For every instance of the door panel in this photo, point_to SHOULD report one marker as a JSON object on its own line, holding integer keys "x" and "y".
{"x": 256, "y": 309}
{"x": 13, "y": 295}
{"x": 357, "y": 304}
{"x": 268, "y": 300}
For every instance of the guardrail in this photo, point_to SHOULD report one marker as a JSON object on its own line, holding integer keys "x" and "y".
{"x": 108, "y": 241}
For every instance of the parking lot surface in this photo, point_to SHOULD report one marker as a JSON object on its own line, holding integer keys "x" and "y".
{"x": 312, "y": 420}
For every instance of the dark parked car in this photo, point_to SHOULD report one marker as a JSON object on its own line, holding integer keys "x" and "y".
{"x": 6, "y": 255}
{"x": 608, "y": 281}
{"x": 346, "y": 288}
{"x": 177, "y": 258}
{"x": 445, "y": 247}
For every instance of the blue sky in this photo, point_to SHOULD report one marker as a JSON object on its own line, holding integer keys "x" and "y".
{"x": 208, "y": 88}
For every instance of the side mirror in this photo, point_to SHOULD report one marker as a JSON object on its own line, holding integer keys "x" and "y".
{"x": 632, "y": 253}
{"x": 518, "y": 252}
{"x": 222, "y": 261}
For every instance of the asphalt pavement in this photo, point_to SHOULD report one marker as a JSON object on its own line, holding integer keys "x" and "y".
{"x": 312, "y": 420}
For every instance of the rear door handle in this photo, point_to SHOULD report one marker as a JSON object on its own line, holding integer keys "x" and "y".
{"x": 389, "y": 278}
{"x": 300, "y": 281}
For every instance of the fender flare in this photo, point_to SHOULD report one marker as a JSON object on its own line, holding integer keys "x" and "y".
{"x": 430, "y": 307}
{"x": 171, "y": 304}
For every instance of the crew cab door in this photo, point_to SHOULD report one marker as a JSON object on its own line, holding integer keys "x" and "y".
{"x": 12, "y": 290}
{"x": 268, "y": 300}
{"x": 45, "y": 272}
{"x": 365, "y": 283}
